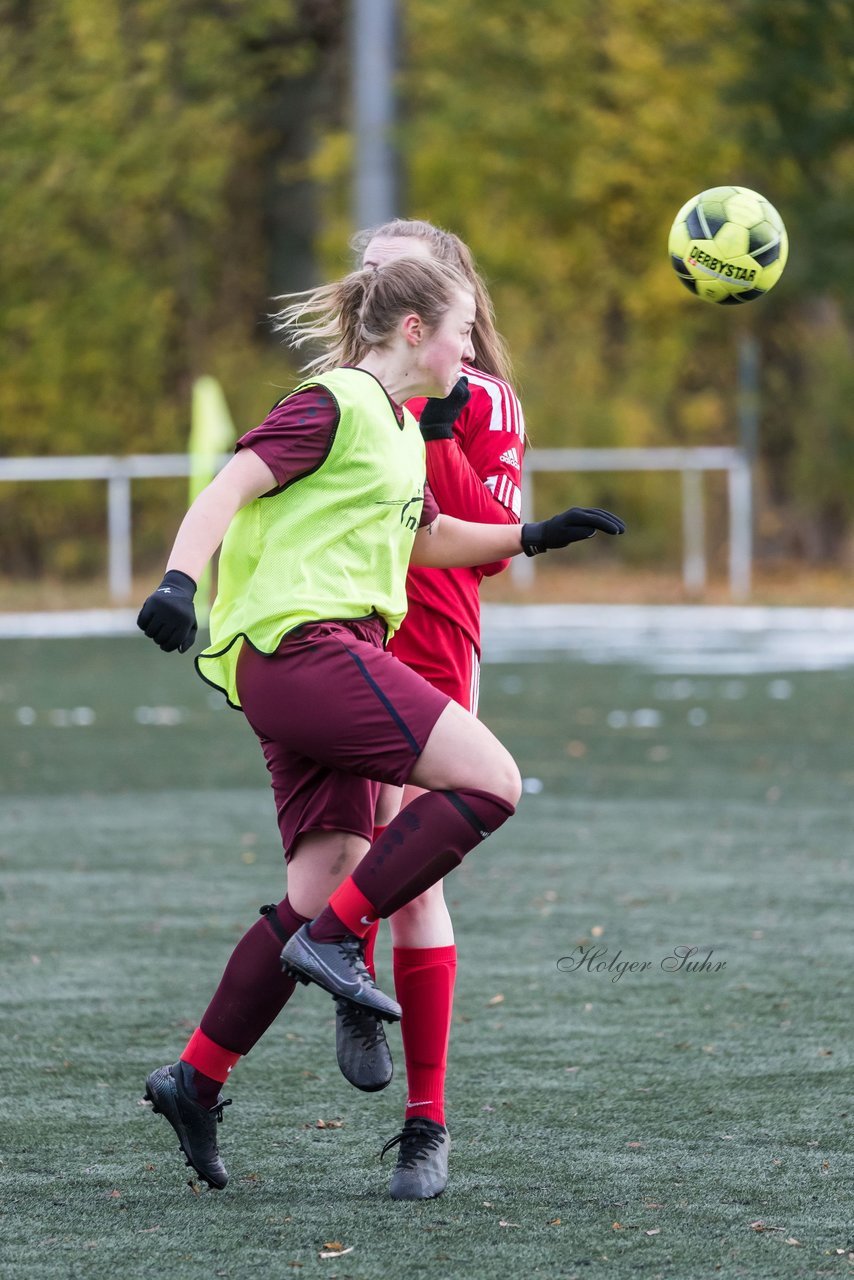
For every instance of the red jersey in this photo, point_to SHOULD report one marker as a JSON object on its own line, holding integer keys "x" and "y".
{"x": 476, "y": 476}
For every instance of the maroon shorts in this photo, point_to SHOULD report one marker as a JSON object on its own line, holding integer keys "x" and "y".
{"x": 336, "y": 715}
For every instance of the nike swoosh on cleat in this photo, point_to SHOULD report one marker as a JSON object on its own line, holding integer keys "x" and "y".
{"x": 355, "y": 983}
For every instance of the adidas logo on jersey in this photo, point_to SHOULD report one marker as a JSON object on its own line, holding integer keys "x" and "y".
{"x": 511, "y": 457}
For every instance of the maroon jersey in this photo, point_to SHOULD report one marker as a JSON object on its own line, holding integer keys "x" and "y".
{"x": 476, "y": 476}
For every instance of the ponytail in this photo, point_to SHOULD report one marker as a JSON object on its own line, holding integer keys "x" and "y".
{"x": 352, "y": 316}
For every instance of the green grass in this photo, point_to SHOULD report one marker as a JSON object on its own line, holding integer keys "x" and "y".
{"x": 586, "y": 1113}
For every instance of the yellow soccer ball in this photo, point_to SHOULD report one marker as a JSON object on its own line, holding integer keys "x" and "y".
{"x": 728, "y": 245}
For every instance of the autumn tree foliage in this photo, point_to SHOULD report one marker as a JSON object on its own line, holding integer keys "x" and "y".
{"x": 167, "y": 167}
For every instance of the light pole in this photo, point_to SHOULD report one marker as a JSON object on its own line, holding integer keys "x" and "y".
{"x": 741, "y": 545}
{"x": 374, "y": 56}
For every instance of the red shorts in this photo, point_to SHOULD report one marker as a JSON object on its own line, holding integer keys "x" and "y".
{"x": 336, "y": 714}
{"x": 441, "y": 652}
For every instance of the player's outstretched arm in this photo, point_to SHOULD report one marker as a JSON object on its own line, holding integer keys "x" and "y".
{"x": 168, "y": 616}
{"x": 450, "y": 544}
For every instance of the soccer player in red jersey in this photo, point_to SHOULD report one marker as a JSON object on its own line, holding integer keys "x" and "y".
{"x": 318, "y": 528}
{"x": 474, "y": 462}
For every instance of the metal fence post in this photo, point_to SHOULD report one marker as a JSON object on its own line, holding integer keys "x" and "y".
{"x": 693, "y": 531}
{"x": 740, "y": 486}
{"x": 119, "y": 535}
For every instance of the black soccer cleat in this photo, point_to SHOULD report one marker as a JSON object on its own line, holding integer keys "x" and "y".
{"x": 195, "y": 1125}
{"x": 363, "y": 1053}
{"x": 340, "y": 969}
{"x": 421, "y": 1172}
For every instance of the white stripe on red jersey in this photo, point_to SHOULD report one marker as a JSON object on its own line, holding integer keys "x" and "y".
{"x": 506, "y": 410}
{"x": 506, "y": 492}
{"x": 474, "y": 690}
{"x": 489, "y": 434}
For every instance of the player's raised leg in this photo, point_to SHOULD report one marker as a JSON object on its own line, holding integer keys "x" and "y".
{"x": 472, "y": 786}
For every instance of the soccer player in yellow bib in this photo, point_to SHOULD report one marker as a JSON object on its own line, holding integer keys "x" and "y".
{"x": 312, "y": 579}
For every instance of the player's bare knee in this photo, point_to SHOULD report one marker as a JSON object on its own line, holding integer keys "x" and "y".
{"x": 423, "y": 908}
{"x": 513, "y": 780}
{"x": 503, "y": 779}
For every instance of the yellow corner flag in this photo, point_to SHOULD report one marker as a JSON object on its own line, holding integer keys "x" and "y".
{"x": 211, "y": 435}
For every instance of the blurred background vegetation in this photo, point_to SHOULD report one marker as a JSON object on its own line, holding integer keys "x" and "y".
{"x": 166, "y": 166}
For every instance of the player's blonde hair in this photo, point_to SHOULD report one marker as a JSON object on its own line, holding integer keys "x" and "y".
{"x": 360, "y": 312}
{"x": 491, "y": 354}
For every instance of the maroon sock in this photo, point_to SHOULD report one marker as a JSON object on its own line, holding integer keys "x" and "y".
{"x": 327, "y": 927}
{"x": 253, "y": 989}
{"x": 425, "y": 841}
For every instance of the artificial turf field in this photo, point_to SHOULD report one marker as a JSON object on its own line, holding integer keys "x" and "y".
{"x": 673, "y": 1124}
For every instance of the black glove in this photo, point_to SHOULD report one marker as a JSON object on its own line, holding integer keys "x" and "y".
{"x": 570, "y": 526}
{"x": 438, "y": 416}
{"x": 168, "y": 617}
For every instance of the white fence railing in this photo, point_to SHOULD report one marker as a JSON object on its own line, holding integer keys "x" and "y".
{"x": 119, "y": 472}
{"x": 691, "y": 463}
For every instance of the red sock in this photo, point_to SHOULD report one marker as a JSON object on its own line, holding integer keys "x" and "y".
{"x": 210, "y": 1065}
{"x": 424, "y": 985}
{"x": 349, "y": 911}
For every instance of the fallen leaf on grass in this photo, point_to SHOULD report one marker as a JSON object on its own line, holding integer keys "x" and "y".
{"x": 653, "y": 1231}
{"x": 336, "y": 1253}
{"x": 329, "y": 1124}
{"x": 555, "y": 1222}
{"x": 499, "y": 999}
{"x": 792, "y": 1240}
{"x": 502, "y": 1223}
{"x": 194, "y": 1187}
{"x": 634, "y": 1144}
{"x": 759, "y": 1225}
{"x": 617, "y": 1226}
